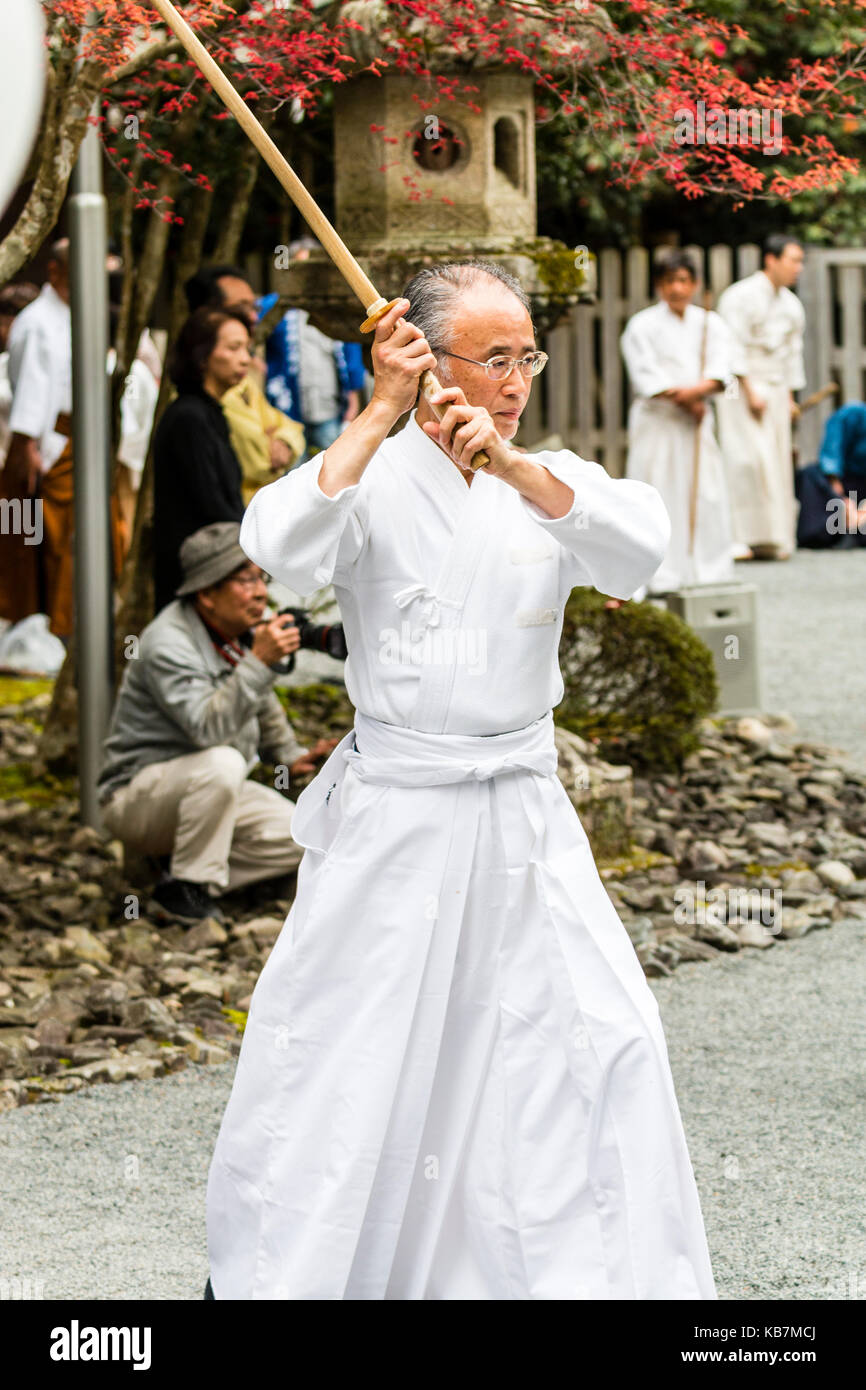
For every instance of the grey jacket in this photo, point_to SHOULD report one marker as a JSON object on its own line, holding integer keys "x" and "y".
{"x": 179, "y": 696}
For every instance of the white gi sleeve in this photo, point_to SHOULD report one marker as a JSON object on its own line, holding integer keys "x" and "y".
{"x": 733, "y": 308}
{"x": 30, "y": 378}
{"x": 744, "y": 310}
{"x": 300, "y": 536}
{"x": 616, "y": 531}
{"x": 724, "y": 356}
{"x": 638, "y": 347}
{"x": 795, "y": 366}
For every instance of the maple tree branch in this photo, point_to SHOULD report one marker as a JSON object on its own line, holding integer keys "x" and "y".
{"x": 66, "y": 112}
{"x": 166, "y": 48}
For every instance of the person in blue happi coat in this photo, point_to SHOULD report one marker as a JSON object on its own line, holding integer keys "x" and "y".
{"x": 313, "y": 378}
{"x": 832, "y": 492}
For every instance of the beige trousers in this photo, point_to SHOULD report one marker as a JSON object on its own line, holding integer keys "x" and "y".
{"x": 220, "y": 829}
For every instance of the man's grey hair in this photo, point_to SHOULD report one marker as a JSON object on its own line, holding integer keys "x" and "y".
{"x": 435, "y": 293}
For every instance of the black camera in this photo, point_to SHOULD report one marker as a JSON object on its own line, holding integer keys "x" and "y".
{"x": 316, "y": 637}
{"x": 328, "y": 638}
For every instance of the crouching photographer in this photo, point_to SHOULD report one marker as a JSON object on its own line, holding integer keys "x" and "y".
{"x": 195, "y": 712}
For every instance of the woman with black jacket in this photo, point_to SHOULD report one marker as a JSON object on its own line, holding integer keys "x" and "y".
{"x": 196, "y": 474}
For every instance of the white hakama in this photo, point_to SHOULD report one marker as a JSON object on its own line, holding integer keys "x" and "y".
{"x": 663, "y": 351}
{"x": 453, "y": 1082}
{"x": 768, "y": 326}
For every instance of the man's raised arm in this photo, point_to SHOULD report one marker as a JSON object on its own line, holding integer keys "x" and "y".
{"x": 400, "y": 355}
{"x": 305, "y": 526}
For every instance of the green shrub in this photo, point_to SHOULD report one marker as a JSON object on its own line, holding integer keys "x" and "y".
{"x": 637, "y": 679}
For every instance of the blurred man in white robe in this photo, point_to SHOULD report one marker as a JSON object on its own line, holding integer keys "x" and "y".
{"x": 13, "y": 298}
{"x": 38, "y": 472}
{"x": 678, "y": 356}
{"x": 453, "y": 1082}
{"x": 37, "y": 478}
{"x": 767, "y": 320}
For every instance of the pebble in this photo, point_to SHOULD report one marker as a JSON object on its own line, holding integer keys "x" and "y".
{"x": 754, "y": 731}
{"x": 718, "y": 934}
{"x": 834, "y": 873}
{"x": 751, "y": 934}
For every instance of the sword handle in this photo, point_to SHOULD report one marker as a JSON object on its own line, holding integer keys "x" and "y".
{"x": 430, "y": 386}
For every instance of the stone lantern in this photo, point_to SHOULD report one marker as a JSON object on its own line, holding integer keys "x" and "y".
{"x": 471, "y": 168}
{"x": 421, "y": 179}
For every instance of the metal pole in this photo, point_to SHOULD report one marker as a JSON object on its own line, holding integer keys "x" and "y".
{"x": 88, "y": 252}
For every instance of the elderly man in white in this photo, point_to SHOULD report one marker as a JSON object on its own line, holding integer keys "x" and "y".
{"x": 768, "y": 323}
{"x": 678, "y": 357}
{"x": 454, "y": 1081}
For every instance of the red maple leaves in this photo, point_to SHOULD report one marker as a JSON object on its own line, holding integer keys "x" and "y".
{"x": 629, "y": 73}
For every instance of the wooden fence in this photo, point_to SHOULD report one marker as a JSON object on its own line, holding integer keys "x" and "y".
{"x": 584, "y": 393}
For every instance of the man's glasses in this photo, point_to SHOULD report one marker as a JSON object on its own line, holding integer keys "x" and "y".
{"x": 498, "y": 368}
{"x": 249, "y": 581}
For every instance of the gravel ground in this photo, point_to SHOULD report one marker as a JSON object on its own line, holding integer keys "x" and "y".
{"x": 767, "y": 1052}
{"x": 812, "y": 629}
{"x": 102, "y": 1195}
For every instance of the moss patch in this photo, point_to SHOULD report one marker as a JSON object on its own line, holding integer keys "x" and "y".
{"x": 236, "y": 1016}
{"x": 554, "y": 263}
{"x": 15, "y": 690}
{"x": 637, "y": 861}
{"x": 18, "y": 782}
{"x": 758, "y": 870}
{"x": 320, "y": 710}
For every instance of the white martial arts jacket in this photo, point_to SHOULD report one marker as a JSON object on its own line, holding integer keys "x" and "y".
{"x": 662, "y": 350}
{"x": 768, "y": 326}
{"x": 452, "y": 596}
{"x": 40, "y": 372}
{"x": 5, "y": 405}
